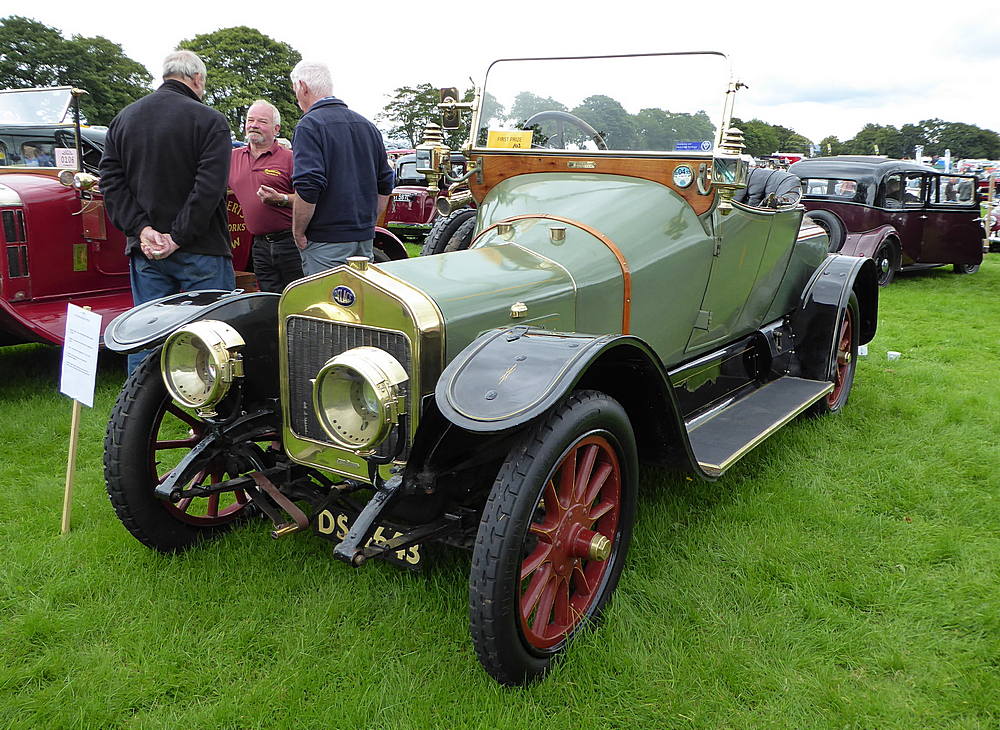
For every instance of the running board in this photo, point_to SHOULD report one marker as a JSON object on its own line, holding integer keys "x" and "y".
{"x": 723, "y": 439}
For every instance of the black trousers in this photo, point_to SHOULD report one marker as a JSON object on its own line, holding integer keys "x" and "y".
{"x": 276, "y": 261}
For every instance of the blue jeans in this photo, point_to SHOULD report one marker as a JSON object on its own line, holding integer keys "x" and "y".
{"x": 319, "y": 256}
{"x": 181, "y": 271}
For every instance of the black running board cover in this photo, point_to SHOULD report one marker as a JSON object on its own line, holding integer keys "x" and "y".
{"x": 720, "y": 441}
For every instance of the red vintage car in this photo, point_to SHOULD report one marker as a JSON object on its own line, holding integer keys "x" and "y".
{"x": 412, "y": 210}
{"x": 57, "y": 243}
{"x": 900, "y": 214}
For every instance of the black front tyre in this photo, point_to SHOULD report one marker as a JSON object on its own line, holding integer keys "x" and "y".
{"x": 965, "y": 268}
{"x": 462, "y": 237}
{"x": 147, "y": 435}
{"x": 553, "y": 537}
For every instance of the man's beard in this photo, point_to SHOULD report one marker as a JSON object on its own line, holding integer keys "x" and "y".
{"x": 255, "y": 137}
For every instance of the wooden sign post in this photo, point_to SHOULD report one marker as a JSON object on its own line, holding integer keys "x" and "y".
{"x": 79, "y": 371}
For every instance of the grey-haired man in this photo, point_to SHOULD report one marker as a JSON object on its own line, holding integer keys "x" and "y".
{"x": 342, "y": 175}
{"x": 164, "y": 175}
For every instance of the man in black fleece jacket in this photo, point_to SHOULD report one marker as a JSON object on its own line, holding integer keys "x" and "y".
{"x": 164, "y": 175}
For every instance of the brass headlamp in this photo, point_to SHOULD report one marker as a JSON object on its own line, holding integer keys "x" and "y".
{"x": 358, "y": 398}
{"x": 199, "y": 363}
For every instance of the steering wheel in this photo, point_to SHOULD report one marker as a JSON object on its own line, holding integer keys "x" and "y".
{"x": 561, "y": 119}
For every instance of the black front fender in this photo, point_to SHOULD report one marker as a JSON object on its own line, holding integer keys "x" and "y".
{"x": 253, "y": 315}
{"x": 506, "y": 377}
{"x": 149, "y": 324}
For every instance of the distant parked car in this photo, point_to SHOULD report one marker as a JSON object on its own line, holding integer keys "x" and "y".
{"x": 411, "y": 210}
{"x": 395, "y": 154}
{"x": 900, "y": 214}
{"x": 993, "y": 225}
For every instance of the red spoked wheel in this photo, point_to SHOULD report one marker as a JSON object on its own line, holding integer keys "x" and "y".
{"x": 846, "y": 360}
{"x": 553, "y": 536}
{"x": 148, "y": 435}
{"x": 166, "y": 447}
{"x": 572, "y": 532}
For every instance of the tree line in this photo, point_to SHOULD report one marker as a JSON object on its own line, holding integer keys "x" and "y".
{"x": 411, "y": 108}
{"x": 245, "y": 64}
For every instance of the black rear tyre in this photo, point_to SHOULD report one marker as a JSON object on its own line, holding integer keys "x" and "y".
{"x": 846, "y": 354}
{"x": 568, "y": 485}
{"x": 443, "y": 229}
{"x": 965, "y": 268}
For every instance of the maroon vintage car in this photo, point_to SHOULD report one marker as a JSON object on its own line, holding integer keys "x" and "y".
{"x": 57, "y": 243}
{"x": 901, "y": 214}
{"x": 412, "y": 210}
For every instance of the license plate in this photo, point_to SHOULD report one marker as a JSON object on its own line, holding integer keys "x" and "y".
{"x": 333, "y": 526}
{"x": 402, "y": 197}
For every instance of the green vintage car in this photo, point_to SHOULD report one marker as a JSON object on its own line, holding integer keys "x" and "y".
{"x": 631, "y": 293}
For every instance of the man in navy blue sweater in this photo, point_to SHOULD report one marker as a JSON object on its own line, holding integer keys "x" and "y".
{"x": 342, "y": 177}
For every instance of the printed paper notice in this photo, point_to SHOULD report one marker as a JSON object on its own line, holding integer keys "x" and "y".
{"x": 516, "y": 140}
{"x": 79, "y": 363}
{"x": 65, "y": 157}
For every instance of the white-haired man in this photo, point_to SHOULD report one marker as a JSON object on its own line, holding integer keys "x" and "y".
{"x": 342, "y": 176}
{"x": 164, "y": 174}
{"x": 260, "y": 176}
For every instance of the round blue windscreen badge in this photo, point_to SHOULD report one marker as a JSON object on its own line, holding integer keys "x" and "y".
{"x": 343, "y": 295}
{"x": 683, "y": 176}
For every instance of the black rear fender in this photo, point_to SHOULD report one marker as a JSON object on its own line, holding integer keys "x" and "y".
{"x": 822, "y": 306}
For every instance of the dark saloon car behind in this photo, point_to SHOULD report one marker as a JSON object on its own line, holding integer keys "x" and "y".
{"x": 900, "y": 214}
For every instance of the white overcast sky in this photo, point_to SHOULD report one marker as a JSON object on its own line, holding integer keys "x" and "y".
{"x": 819, "y": 68}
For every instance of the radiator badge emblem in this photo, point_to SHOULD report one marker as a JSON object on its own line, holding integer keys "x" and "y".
{"x": 343, "y": 295}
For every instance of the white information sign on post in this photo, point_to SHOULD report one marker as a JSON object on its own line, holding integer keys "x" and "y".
{"x": 79, "y": 371}
{"x": 65, "y": 157}
{"x": 79, "y": 363}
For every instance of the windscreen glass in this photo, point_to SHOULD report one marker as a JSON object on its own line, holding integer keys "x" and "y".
{"x": 660, "y": 103}
{"x": 35, "y": 106}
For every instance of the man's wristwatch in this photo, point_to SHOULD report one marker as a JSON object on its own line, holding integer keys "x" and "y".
{"x": 284, "y": 200}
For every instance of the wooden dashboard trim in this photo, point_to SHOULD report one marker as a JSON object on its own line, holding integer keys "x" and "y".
{"x": 496, "y": 168}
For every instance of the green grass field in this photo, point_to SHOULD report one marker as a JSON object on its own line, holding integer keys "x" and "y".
{"x": 844, "y": 574}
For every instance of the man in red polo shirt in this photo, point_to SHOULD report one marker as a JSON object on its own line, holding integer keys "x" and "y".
{"x": 260, "y": 176}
